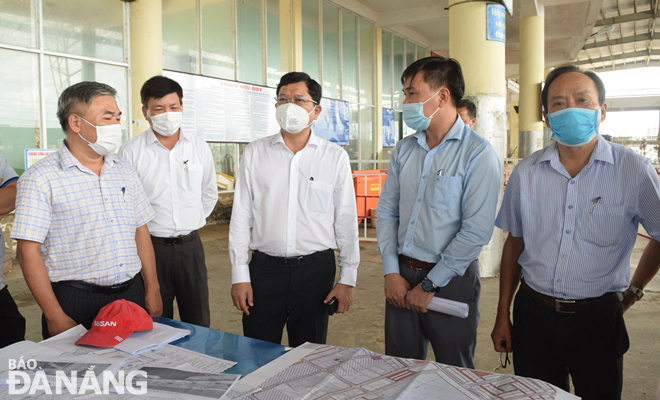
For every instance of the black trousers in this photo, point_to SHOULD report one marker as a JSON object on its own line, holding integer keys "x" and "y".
{"x": 587, "y": 345}
{"x": 292, "y": 295}
{"x": 83, "y": 306}
{"x": 12, "y": 322}
{"x": 182, "y": 275}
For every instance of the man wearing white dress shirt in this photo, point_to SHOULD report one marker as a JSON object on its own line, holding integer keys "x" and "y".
{"x": 294, "y": 203}
{"x": 178, "y": 174}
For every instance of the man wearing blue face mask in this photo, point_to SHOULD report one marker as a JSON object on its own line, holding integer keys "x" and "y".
{"x": 435, "y": 214}
{"x": 572, "y": 211}
{"x": 81, "y": 218}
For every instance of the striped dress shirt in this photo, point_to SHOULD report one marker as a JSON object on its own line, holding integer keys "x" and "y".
{"x": 579, "y": 231}
{"x": 85, "y": 222}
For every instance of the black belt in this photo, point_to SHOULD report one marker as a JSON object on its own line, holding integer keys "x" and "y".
{"x": 292, "y": 261}
{"x": 92, "y": 288}
{"x": 573, "y": 306}
{"x": 414, "y": 263}
{"x": 172, "y": 241}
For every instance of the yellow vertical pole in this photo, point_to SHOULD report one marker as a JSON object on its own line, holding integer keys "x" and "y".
{"x": 482, "y": 62}
{"x": 291, "y": 35}
{"x": 531, "y": 75}
{"x": 378, "y": 96}
{"x": 146, "y": 52}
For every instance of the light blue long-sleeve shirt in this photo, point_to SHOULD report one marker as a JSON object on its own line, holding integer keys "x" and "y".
{"x": 438, "y": 205}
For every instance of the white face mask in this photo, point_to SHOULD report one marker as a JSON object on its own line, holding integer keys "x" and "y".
{"x": 293, "y": 118}
{"x": 108, "y": 138}
{"x": 166, "y": 124}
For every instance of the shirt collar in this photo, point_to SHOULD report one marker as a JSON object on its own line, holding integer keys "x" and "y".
{"x": 312, "y": 141}
{"x": 151, "y": 136}
{"x": 455, "y": 133}
{"x": 602, "y": 152}
{"x": 68, "y": 160}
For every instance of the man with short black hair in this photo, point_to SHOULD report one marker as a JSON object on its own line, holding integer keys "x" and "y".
{"x": 178, "y": 174}
{"x": 468, "y": 112}
{"x": 81, "y": 218}
{"x": 435, "y": 214}
{"x": 294, "y": 203}
{"x": 572, "y": 211}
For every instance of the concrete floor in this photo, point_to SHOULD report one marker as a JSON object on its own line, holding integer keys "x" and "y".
{"x": 363, "y": 325}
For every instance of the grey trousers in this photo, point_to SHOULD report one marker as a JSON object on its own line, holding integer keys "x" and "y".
{"x": 454, "y": 340}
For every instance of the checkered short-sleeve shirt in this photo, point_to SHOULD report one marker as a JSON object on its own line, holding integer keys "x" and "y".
{"x": 85, "y": 222}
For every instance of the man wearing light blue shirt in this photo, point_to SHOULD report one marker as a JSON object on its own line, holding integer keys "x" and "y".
{"x": 435, "y": 214}
{"x": 572, "y": 211}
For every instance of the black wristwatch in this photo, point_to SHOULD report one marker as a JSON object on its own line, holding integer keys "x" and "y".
{"x": 428, "y": 286}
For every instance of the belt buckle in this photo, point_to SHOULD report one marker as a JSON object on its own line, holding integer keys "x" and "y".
{"x": 558, "y": 304}
{"x": 297, "y": 259}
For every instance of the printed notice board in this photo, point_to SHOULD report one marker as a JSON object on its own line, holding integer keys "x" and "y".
{"x": 332, "y": 124}
{"x": 34, "y": 155}
{"x": 219, "y": 110}
{"x": 388, "y": 127}
{"x": 496, "y": 22}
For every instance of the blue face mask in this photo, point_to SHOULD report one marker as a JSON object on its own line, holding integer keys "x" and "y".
{"x": 413, "y": 115}
{"x": 574, "y": 127}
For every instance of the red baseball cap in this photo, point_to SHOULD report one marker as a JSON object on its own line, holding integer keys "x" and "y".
{"x": 115, "y": 322}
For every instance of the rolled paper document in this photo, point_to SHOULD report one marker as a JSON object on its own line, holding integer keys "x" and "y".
{"x": 450, "y": 307}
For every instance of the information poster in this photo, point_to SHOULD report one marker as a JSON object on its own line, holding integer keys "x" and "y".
{"x": 496, "y": 22}
{"x": 225, "y": 111}
{"x": 34, "y": 155}
{"x": 333, "y": 123}
{"x": 388, "y": 127}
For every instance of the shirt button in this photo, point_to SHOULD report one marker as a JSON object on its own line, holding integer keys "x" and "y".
{"x": 568, "y": 231}
{"x": 563, "y": 256}
{"x": 558, "y": 280}
{"x": 112, "y": 220}
{"x": 419, "y": 200}
{"x": 572, "y": 182}
{"x": 423, "y": 176}
{"x": 121, "y": 265}
{"x": 412, "y": 222}
{"x": 570, "y": 207}
{"x": 407, "y": 245}
{"x": 106, "y": 199}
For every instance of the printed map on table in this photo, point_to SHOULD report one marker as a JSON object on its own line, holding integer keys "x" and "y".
{"x": 339, "y": 373}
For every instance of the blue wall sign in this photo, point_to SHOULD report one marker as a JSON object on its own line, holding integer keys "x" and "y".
{"x": 496, "y": 22}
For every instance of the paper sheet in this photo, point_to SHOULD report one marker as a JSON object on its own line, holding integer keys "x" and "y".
{"x": 450, "y": 307}
{"x": 160, "y": 335}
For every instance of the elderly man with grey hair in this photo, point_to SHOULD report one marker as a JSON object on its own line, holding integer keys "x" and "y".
{"x": 81, "y": 218}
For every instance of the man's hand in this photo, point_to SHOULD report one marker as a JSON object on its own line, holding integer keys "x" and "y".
{"x": 396, "y": 289}
{"x": 153, "y": 302}
{"x": 418, "y": 299}
{"x": 60, "y": 324}
{"x": 629, "y": 298}
{"x": 241, "y": 295}
{"x": 501, "y": 335}
{"x": 344, "y": 295}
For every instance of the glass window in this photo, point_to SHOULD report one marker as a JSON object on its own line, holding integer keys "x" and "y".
{"x": 387, "y": 69}
{"x": 349, "y": 57}
{"x": 310, "y": 38}
{"x": 217, "y": 39}
{"x": 250, "y": 51}
{"x": 180, "y": 44}
{"x": 397, "y": 71}
{"x": 17, "y": 23}
{"x": 64, "y": 72}
{"x": 366, "y": 62}
{"x": 353, "y": 134}
{"x": 274, "y": 69}
{"x": 367, "y": 142}
{"x": 19, "y": 113}
{"x": 90, "y": 28}
{"x": 330, "y": 51}
{"x": 421, "y": 52}
{"x": 411, "y": 53}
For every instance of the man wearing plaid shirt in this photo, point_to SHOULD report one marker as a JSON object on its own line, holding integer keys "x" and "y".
{"x": 81, "y": 218}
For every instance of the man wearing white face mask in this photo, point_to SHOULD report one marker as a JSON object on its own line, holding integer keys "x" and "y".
{"x": 435, "y": 214}
{"x": 294, "y": 203}
{"x": 178, "y": 174}
{"x": 572, "y": 211}
{"x": 81, "y": 218}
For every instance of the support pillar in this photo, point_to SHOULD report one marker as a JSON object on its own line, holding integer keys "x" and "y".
{"x": 531, "y": 63}
{"x": 482, "y": 62}
{"x": 291, "y": 36}
{"x": 146, "y": 58}
{"x": 378, "y": 95}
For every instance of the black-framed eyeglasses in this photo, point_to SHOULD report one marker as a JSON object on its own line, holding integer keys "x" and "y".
{"x": 504, "y": 362}
{"x": 296, "y": 99}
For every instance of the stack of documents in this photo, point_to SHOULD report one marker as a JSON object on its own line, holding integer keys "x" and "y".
{"x": 160, "y": 335}
{"x": 450, "y": 307}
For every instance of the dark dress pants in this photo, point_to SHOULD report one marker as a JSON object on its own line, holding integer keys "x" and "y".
{"x": 587, "y": 345}
{"x": 290, "y": 294}
{"x": 12, "y": 323}
{"x": 454, "y": 339}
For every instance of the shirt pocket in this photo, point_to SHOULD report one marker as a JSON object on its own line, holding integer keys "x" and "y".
{"x": 604, "y": 224}
{"x": 190, "y": 178}
{"x": 446, "y": 193}
{"x": 319, "y": 196}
